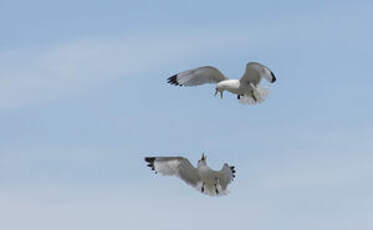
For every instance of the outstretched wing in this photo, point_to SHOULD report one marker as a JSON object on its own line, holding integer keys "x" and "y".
{"x": 226, "y": 175}
{"x": 175, "y": 166}
{"x": 255, "y": 72}
{"x": 198, "y": 76}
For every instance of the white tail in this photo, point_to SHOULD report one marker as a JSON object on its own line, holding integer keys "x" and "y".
{"x": 260, "y": 94}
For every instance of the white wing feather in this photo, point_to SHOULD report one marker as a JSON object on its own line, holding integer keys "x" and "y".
{"x": 197, "y": 76}
{"x": 175, "y": 166}
{"x": 226, "y": 176}
{"x": 255, "y": 72}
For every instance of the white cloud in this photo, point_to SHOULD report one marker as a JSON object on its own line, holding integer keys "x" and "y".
{"x": 31, "y": 75}
{"x": 37, "y": 75}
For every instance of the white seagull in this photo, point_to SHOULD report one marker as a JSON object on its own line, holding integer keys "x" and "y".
{"x": 203, "y": 178}
{"x": 246, "y": 88}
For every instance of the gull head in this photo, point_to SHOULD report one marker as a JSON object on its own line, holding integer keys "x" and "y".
{"x": 202, "y": 161}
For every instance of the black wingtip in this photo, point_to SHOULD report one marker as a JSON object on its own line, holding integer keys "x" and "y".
{"x": 150, "y": 160}
{"x": 173, "y": 80}
{"x": 273, "y": 77}
{"x": 233, "y": 171}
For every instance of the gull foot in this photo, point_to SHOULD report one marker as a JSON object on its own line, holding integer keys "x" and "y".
{"x": 203, "y": 188}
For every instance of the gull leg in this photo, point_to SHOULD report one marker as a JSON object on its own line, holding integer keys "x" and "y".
{"x": 217, "y": 181}
{"x": 253, "y": 92}
{"x": 216, "y": 92}
{"x": 253, "y": 96}
{"x": 221, "y": 94}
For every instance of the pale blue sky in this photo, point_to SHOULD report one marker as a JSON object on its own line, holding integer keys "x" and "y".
{"x": 84, "y": 98}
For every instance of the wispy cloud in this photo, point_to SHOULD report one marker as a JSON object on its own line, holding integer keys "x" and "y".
{"x": 31, "y": 75}
{"x": 41, "y": 74}
{"x": 37, "y": 74}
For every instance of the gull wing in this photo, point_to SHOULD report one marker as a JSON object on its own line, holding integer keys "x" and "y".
{"x": 197, "y": 76}
{"x": 175, "y": 166}
{"x": 255, "y": 72}
{"x": 226, "y": 175}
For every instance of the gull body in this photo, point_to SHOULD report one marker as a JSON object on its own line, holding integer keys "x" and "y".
{"x": 233, "y": 86}
{"x": 210, "y": 182}
{"x": 245, "y": 88}
{"x": 202, "y": 177}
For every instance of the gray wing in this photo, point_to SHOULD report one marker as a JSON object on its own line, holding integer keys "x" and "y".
{"x": 175, "y": 166}
{"x": 197, "y": 76}
{"x": 255, "y": 72}
{"x": 226, "y": 175}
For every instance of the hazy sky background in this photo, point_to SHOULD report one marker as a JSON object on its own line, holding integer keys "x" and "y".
{"x": 83, "y": 98}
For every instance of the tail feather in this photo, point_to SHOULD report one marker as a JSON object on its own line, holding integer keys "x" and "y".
{"x": 211, "y": 190}
{"x": 260, "y": 94}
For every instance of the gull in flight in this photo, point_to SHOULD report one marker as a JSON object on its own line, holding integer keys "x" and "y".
{"x": 203, "y": 178}
{"x": 246, "y": 88}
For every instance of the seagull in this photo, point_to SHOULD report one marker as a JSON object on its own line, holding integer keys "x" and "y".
{"x": 203, "y": 178}
{"x": 246, "y": 88}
